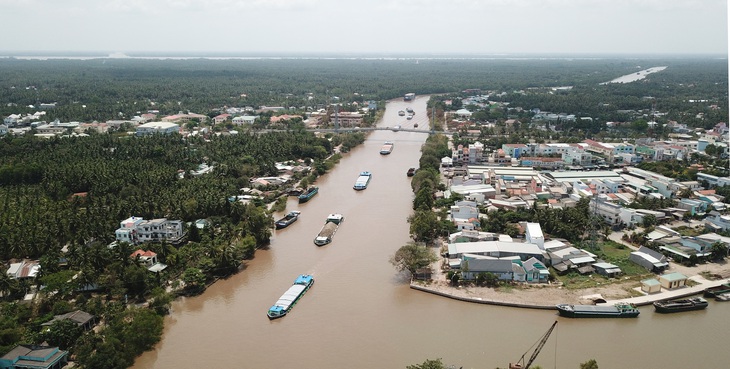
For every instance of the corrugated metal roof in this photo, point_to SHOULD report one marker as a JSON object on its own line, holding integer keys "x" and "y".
{"x": 676, "y": 276}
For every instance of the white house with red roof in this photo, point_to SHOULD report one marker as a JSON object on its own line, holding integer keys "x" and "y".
{"x": 149, "y": 259}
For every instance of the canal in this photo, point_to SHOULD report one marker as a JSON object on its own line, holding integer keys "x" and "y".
{"x": 361, "y": 314}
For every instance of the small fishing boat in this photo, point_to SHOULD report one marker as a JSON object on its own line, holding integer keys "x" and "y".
{"x": 387, "y": 148}
{"x": 287, "y": 220}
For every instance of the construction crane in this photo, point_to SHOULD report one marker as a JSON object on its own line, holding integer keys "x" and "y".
{"x": 521, "y": 362}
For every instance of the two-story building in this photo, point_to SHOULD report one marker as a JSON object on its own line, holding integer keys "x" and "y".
{"x": 135, "y": 230}
{"x": 157, "y": 128}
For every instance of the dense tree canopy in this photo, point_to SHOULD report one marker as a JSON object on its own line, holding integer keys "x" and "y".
{"x": 412, "y": 257}
{"x": 102, "y": 89}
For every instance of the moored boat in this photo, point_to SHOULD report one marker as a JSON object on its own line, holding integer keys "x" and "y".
{"x": 723, "y": 297}
{"x": 287, "y": 301}
{"x": 411, "y": 172}
{"x": 287, "y": 220}
{"x": 620, "y": 310}
{"x": 362, "y": 181}
{"x": 673, "y": 306}
{"x": 387, "y": 148}
{"x": 717, "y": 290}
{"x": 308, "y": 194}
{"x": 331, "y": 224}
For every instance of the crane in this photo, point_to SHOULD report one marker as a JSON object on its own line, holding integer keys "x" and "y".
{"x": 540, "y": 344}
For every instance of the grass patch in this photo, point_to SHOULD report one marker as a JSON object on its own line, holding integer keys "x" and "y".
{"x": 710, "y": 276}
{"x": 507, "y": 288}
{"x": 633, "y": 293}
{"x": 611, "y": 252}
{"x": 689, "y": 231}
{"x": 575, "y": 281}
{"x": 618, "y": 254}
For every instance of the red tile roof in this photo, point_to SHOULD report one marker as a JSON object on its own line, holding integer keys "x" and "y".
{"x": 141, "y": 252}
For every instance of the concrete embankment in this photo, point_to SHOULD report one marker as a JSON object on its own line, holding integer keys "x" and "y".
{"x": 679, "y": 293}
{"x": 480, "y": 300}
{"x": 457, "y": 294}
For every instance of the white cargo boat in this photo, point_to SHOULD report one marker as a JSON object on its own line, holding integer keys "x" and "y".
{"x": 362, "y": 181}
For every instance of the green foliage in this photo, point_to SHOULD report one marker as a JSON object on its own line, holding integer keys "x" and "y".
{"x": 128, "y": 334}
{"x": 62, "y": 333}
{"x": 719, "y": 250}
{"x": 649, "y": 221}
{"x": 412, "y": 257}
{"x": 126, "y": 177}
{"x": 424, "y": 177}
{"x": 194, "y": 280}
{"x": 424, "y": 197}
{"x": 487, "y": 279}
{"x": 12, "y": 330}
{"x": 424, "y": 226}
{"x": 428, "y": 364}
{"x": 673, "y": 169}
{"x": 9, "y": 287}
{"x": 60, "y": 284}
{"x": 590, "y": 364}
{"x": 279, "y": 204}
{"x": 159, "y": 301}
{"x": 454, "y": 278}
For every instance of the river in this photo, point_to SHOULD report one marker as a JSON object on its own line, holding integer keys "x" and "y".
{"x": 360, "y": 313}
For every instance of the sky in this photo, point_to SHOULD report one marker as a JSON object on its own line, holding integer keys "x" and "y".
{"x": 482, "y": 27}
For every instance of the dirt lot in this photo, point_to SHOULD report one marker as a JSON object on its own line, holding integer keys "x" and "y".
{"x": 549, "y": 295}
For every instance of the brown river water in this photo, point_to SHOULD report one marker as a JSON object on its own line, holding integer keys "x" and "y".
{"x": 360, "y": 313}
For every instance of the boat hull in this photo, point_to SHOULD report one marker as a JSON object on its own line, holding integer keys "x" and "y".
{"x": 286, "y": 221}
{"x": 283, "y": 224}
{"x": 593, "y": 311}
{"x": 715, "y": 291}
{"x": 362, "y": 182}
{"x": 330, "y": 227}
{"x": 290, "y": 298}
{"x": 676, "y": 306}
{"x": 307, "y": 195}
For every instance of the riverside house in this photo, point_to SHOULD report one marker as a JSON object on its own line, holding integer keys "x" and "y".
{"x": 136, "y": 230}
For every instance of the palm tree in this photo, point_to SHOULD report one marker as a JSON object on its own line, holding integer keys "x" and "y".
{"x": 8, "y": 286}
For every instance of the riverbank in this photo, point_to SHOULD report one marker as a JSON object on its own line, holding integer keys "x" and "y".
{"x": 546, "y": 296}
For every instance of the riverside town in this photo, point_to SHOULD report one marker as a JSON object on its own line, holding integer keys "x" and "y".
{"x": 154, "y": 210}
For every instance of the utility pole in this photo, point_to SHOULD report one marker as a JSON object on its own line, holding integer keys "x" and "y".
{"x": 433, "y": 118}
{"x": 337, "y": 113}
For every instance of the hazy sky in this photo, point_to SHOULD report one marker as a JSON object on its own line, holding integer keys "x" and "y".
{"x": 367, "y": 26}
